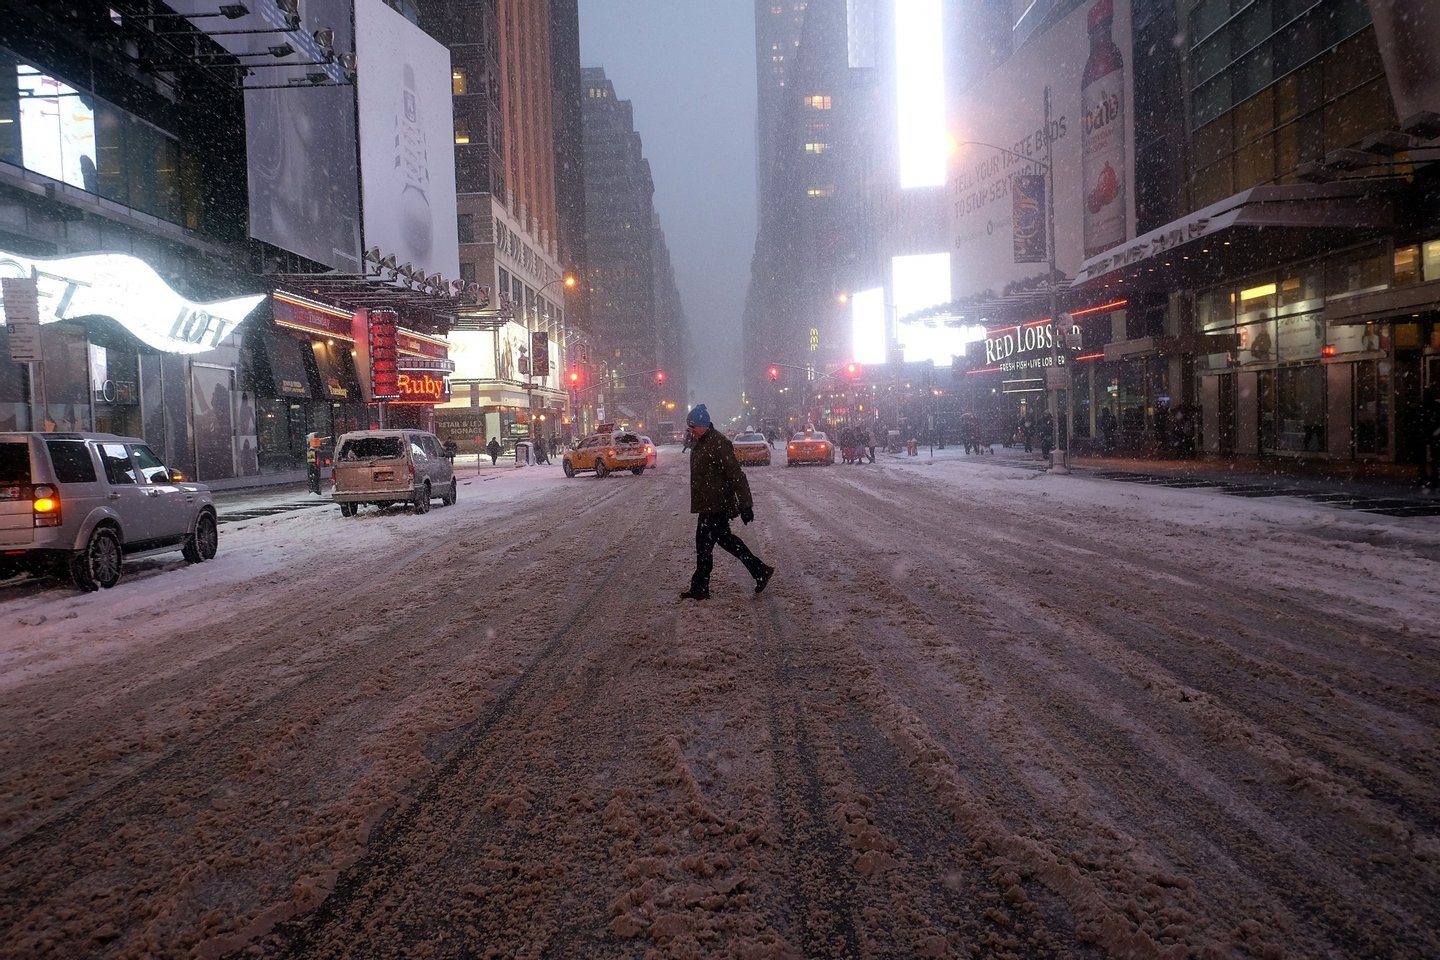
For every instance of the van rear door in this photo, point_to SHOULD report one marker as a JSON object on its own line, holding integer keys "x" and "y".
{"x": 369, "y": 464}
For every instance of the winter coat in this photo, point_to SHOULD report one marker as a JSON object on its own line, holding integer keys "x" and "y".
{"x": 717, "y": 483}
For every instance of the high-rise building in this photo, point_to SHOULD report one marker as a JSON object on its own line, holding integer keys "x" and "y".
{"x": 634, "y": 311}
{"x": 791, "y": 313}
{"x": 512, "y": 196}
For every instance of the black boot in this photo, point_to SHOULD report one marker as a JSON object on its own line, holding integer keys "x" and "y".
{"x": 695, "y": 593}
{"x": 764, "y": 578}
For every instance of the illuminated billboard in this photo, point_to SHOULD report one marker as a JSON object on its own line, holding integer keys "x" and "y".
{"x": 998, "y": 237}
{"x": 922, "y": 281}
{"x": 920, "y": 93}
{"x": 407, "y": 141}
{"x": 867, "y": 326}
{"x": 299, "y": 134}
{"x": 57, "y": 129}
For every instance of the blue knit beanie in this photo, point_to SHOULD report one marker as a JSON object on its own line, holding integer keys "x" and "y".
{"x": 699, "y": 417}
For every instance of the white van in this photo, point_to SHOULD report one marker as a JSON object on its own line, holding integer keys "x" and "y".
{"x": 391, "y": 466}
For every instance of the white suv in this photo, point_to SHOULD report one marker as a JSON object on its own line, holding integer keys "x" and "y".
{"x": 82, "y": 503}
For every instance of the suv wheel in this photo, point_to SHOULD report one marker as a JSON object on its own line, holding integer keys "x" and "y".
{"x": 98, "y": 565}
{"x": 422, "y": 500}
{"x": 600, "y": 469}
{"x": 449, "y": 498}
{"x": 204, "y": 541}
{"x": 637, "y": 470}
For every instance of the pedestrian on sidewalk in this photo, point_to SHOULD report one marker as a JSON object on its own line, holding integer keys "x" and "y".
{"x": 493, "y": 448}
{"x": 718, "y": 493}
{"x": 541, "y": 455}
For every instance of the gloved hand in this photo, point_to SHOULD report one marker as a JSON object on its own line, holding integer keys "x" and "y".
{"x": 746, "y": 516}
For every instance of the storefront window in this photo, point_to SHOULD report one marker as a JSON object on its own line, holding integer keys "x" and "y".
{"x": 280, "y": 432}
{"x": 1257, "y": 343}
{"x": 1298, "y": 409}
{"x": 1430, "y": 254}
{"x": 1352, "y": 274}
{"x": 1215, "y": 309}
{"x": 1300, "y": 337}
{"x": 67, "y": 377}
{"x": 1302, "y": 290}
{"x": 1406, "y": 266}
{"x": 115, "y": 390}
{"x": 1372, "y": 414}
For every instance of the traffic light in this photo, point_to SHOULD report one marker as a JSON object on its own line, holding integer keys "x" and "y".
{"x": 573, "y": 378}
{"x": 774, "y": 373}
{"x": 852, "y": 370}
{"x": 659, "y": 376}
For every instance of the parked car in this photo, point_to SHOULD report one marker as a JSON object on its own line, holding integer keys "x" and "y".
{"x": 391, "y": 466}
{"x": 752, "y": 448}
{"x": 810, "y": 446}
{"x": 81, "y": 504}
{"x": 607, "y": 452}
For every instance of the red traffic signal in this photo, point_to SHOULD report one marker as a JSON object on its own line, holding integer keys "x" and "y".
{"x": 774, "y": 373}
{"x": 852, "y": 369}
{"x": 659, "y": 376}
{"x": 573, "y": 378}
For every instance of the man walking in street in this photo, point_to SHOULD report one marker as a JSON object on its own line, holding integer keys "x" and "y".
{"x": 719, "y": 491}
{"x": 493, "y": 448}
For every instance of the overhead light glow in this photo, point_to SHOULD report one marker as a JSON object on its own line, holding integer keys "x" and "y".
{"x": 920, "y": 93}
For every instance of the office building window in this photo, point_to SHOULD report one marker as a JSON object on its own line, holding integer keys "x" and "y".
{"x": 818, "y": 102}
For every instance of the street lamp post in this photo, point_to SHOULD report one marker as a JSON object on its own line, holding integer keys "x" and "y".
{"x": 1059, "y": 460}
{"x": 569, "y": 281}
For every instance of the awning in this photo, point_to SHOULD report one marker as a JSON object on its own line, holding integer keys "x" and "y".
{"x": 1253, "y": 229}
{"x": 336, "y": 367}
{"x": 1395, "y": 303}
{"x": 287, "y": 364}
{"x": 428, "y": 309}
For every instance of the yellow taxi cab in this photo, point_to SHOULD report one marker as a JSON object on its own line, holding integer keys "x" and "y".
{"x": 752, "y": 447}
{"x": 809, "y": 446}
{"x": 607, "y": 452}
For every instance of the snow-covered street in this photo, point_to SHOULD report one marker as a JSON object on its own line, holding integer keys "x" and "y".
{"x": 981, "y": 711}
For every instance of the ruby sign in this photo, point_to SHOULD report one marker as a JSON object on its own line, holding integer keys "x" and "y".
{"x": 384, "y": 355}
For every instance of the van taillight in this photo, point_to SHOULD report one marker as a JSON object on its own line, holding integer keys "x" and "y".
{"x": 45, "y": 502}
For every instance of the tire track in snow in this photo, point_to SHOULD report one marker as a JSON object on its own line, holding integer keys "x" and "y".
{"x": 896, "y": 506}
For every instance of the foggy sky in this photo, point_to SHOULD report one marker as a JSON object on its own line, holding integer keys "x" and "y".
{"x": 688, "y": 66}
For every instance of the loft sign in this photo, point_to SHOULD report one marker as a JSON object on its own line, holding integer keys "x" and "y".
{"x": 129, "y": 291}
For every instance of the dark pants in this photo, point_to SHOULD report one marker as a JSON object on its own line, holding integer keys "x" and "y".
{"x": 712, "y": 529}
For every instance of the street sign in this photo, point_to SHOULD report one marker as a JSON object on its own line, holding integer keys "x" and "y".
{"x": 1057, "y": 378}
{"x": 22, "y": 316}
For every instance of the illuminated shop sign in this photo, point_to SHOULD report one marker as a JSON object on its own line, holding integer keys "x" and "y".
{"x": 1025, "y": 347}
{"x": 423, "y": 387}
{"x": 384, "y": 355}
{"x": 129, "y": 291}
